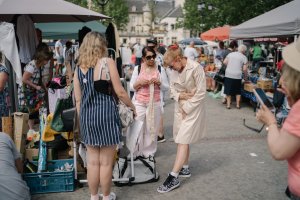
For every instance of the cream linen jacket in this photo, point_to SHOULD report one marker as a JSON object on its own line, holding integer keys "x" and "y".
{"x": 193, "y": 127}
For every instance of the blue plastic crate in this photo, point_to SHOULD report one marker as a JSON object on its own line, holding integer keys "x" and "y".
{"x": 51, "y": 181}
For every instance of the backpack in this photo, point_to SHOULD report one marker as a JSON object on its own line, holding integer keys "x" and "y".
{"x": 139, "y": 69}
{"x": 144, "y": 171}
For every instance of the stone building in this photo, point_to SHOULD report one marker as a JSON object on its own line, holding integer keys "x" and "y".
{"x": 159, "y": 22}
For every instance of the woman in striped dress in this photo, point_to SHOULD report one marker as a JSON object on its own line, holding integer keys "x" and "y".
{"x": 100, "y": 127}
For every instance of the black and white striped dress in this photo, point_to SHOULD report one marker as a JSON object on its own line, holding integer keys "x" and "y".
{"x": 99, "y": 118}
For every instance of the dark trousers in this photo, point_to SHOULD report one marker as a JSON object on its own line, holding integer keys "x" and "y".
{"x": 138, "y": 61}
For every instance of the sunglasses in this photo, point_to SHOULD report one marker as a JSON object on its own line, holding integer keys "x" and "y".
{"x": 150, "y": 57}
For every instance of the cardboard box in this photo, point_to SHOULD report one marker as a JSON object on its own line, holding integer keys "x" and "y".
{"x": 265, "y": 84}
{"x": 64, "y": 154}
{"x": 20, "y": 130}
{"x": 32, "y": 154}
{"x": 249, "y": 87}
{"x": 7, "y": 126}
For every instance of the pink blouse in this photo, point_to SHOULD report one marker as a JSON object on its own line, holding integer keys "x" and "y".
{"x": 292, "y": 125}
{"x": 143, "y": 94}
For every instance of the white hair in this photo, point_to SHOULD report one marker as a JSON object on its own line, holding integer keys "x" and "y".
{"x": 242, "y": 48}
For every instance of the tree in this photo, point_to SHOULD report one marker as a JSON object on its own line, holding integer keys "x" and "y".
{"x": 116, "y": 9}
{"x": 191, "y": 16}
{"x": 230, "y": 12}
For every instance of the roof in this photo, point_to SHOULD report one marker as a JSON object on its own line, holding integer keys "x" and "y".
{"x": 162, "y": 8}
{"x": 176, "y": 13}
{"x": 139, "y": 4}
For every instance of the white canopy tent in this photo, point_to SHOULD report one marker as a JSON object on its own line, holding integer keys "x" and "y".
{"x": 47, "y": 11}
{"x": 41, "y": 11}
{"x": 281, "y": 21}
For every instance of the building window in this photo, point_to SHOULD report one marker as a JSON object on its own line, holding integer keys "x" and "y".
{"x": 172, "y": 27}
{"x": 132, "y": 18}
{"x": 124, "y": 40}
{"x": 133, "y": 29}
{"x": 160, "y": 40}
{"x": 133, "y": 9}
{"x": 174, "y": 40}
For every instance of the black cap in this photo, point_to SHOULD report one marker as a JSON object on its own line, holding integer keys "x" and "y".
{"x": 152, "y": 40}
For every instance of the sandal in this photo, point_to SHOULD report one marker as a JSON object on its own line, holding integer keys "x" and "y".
{"x": 238, "y": 107}
{"x": 228, "y": 107}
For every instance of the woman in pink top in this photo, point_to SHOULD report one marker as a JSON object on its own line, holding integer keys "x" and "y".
{"x": 284, "y": 143}
{"x": 147, "y": 84}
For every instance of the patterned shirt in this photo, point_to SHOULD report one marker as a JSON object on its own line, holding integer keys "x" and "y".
{"x": 3, "y": 97}
{"x": 25, "y": 91}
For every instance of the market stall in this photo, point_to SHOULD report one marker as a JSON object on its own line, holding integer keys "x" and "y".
{"x": 44, "y": 172}
{"x": 283, "y": 21}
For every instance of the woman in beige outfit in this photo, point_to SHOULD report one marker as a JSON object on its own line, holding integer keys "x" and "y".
{"x": 188, "y": 90}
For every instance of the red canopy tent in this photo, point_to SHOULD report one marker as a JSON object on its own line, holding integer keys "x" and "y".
{"x": 219, "y": 33}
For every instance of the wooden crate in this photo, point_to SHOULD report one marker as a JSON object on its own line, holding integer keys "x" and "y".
{"x": 249, "y": 87}
{"x": 265, "y": 84}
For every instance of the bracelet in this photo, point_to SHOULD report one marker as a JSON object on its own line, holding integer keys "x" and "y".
{"x": 274, "y": 123}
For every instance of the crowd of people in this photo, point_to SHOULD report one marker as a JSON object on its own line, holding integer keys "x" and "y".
{"x": 155, "y": 73}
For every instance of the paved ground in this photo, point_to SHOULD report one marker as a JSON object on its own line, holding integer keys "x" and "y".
{"x": 230, "y": 163}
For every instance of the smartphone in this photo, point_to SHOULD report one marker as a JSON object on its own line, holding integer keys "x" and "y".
{"x": 262, "y": 98}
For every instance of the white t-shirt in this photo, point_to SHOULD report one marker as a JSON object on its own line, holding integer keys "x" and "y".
{"x": 191, "y": 53}
{"x": 61, "y": 49}
{"x": 138, "y": 50}
{"x": 11, "y": 184}
{"x": 236, "y": 61}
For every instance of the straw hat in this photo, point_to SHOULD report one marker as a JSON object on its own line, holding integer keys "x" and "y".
{"x": 291, "y": 55}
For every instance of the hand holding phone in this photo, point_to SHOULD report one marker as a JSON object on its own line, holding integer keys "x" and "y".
{"x": 262, "y": 98}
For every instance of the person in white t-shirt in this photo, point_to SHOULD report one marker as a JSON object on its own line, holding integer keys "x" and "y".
{"x": 138, "y": 47}
{"x": 237, "y": 63}
{"x": 190, "y": 51}
{"x": 59, "y": 52}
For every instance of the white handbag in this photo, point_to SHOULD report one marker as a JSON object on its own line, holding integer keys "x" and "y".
{"x": 125, "y": 112}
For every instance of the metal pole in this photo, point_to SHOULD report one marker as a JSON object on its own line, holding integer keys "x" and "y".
{"x": 13, "y": 89}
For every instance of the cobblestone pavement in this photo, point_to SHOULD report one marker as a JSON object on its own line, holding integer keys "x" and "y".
{"x": 230, "y": 163}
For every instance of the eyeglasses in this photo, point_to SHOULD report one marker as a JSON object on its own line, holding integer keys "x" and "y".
{"x": 150, "y": 57}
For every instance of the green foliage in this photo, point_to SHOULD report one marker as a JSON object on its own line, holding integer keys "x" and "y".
{"x": 116, "y": 9}
{"x": 230, "y": 12}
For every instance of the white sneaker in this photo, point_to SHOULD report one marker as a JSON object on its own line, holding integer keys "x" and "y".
{"x": 112, "y": 196}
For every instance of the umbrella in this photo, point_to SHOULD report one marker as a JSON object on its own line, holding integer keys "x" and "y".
{"x": 67, "y": 30}
{"x": 47, "y": 11}
{"x": 219, "y": 33}
{"x": 187, "y": 41}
